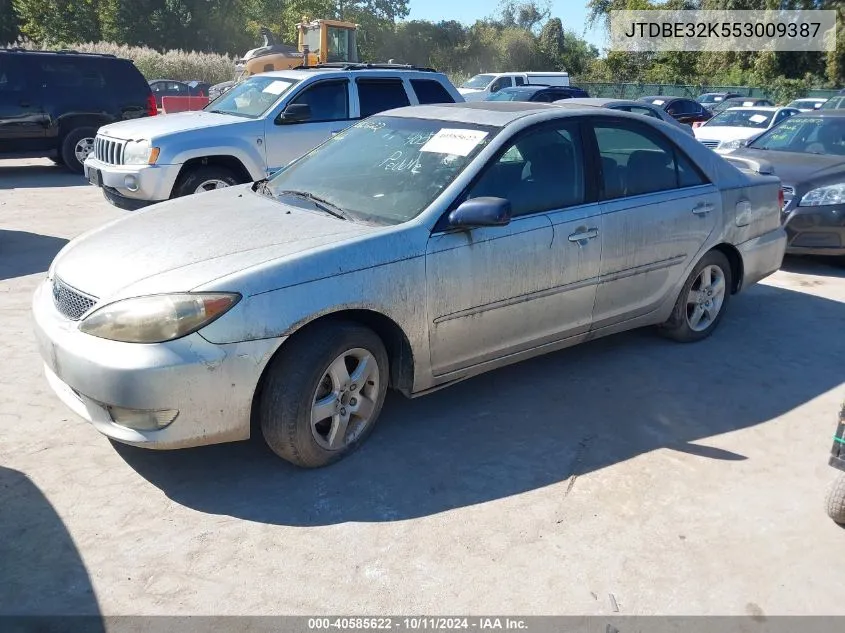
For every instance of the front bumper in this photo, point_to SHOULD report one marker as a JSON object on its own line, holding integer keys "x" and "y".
{"x": 762, "y": 256}
{"x": 211, "y": 386}
{"x": 143, "y": 184}
{"x": 815, "y": 230}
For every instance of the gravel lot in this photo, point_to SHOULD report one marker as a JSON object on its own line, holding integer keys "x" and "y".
{"x": 681, "y": 479}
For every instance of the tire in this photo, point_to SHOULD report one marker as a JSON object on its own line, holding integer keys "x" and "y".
{"x": 202, "y": 177}
{"x": 835, "y": 501}
{"x": 71, "y": 150}
{"x": 301, "y": 375}
{"x": 679, "y": 326}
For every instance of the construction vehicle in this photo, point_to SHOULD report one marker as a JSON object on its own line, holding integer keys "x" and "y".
{"x": 319, "y": 42}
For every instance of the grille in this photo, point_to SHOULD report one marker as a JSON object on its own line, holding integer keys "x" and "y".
{"x": 109, "y": 151}
{"x": 788, "y": 192}
{"x": 70, "y": 302}
{"x": 710, "y": 144}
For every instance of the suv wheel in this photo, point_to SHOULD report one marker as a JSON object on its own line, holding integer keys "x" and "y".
{"x": 76, "y": 146}
{"x": 206, "y": 178}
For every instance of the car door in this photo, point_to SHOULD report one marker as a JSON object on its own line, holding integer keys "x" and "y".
{"x": 330, "y": 113}
{"x": 494, "y": 291}
{"x": 23, "y": 124}
{"x": 658, "y": 211}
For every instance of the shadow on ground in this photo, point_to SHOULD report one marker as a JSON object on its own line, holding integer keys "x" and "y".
{"x": 815, "y": 265}
{"x": 537, "y": 423}
{"x": 42, "y": 573}
{"x": 23, "y": 253}
{"x": 38, "y": 177}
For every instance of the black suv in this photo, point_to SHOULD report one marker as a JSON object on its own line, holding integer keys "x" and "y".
{"x": 52, "y": 103}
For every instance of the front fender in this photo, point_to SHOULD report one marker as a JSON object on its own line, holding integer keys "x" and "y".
{"x": 246, "y": 149}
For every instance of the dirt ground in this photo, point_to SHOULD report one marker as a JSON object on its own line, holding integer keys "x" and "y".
{"x": 681, "y": 479}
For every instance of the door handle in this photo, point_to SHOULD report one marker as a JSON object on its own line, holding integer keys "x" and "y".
{"x": 702, "y": 208}
{"x": 584, "y": 235}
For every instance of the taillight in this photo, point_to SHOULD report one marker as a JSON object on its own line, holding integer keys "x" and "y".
{"x": 780, "y": 198}
{"x": 152, "y": 110}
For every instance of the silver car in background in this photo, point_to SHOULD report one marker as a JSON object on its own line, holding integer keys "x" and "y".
{"x": 413, "y": 250}
{"x": 626, "y": 105}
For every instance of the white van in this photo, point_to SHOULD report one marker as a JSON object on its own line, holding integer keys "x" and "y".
{"x": 482, "y": 86}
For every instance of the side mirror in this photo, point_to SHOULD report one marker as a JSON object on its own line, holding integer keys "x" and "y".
{"x": 481, "y": 212}
{"x": 294, "y": 113}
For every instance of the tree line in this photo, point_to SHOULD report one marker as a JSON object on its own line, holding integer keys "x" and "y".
{"x": 521, "y": 34}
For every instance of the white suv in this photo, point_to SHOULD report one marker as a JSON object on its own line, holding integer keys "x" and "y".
{"x": 255, "y": 128}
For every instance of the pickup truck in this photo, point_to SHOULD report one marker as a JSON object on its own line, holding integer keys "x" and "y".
{"x": 250, "y": 131}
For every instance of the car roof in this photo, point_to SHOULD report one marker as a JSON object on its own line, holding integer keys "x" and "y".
{"x": 759, "y": 108}
{"x": 747, "y": 99}
{"x": 495, "y": 113}
{"x": 664, "y": 97}
{"x": 303, "y": 73}
{"x": 600, "y": 102}
{"x": 822, "y": 114}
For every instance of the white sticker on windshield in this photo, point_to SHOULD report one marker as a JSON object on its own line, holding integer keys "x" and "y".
{"x": 276, "y": 87}
{"x": 718, "y": 98}
{"x": 453, "y": 141}
{"x": 758, "y": 118}
{"x": 658, "y": 102}
{"x": 747, "y": 104}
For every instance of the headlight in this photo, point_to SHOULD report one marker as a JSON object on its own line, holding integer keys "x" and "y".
{"x": 139, "y": 153}
{"x": 157, "y": 318}
{"x": 832, "y": 194}
{"x": 735, "y": 144}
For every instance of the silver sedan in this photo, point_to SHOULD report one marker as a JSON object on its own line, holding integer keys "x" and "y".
{"x": 413, "y": 250}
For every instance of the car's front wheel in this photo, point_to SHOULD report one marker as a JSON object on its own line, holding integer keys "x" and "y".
{"x": 702, "y": 301}
{"x": 205, "y": 178}
{"x": 323, "y": 393}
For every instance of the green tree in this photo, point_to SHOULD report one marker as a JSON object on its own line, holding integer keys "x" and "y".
{"x": 9, "y": 27}
{"x": 59, "y": 21}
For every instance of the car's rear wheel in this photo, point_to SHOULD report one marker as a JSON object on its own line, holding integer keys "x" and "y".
{"x": 76, "y": 146}
{"x": 205, "y": 178}
{"x": 835, "y": 501}
{"x": 702, "y": 301}
{"x": 323, "y": 393}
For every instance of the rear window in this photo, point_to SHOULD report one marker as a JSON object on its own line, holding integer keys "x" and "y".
{"x": 71, "y": 73}
{"x": 123, "y": 73}
{"x": 429, "y": 91}
{"x": 378, "y": 95}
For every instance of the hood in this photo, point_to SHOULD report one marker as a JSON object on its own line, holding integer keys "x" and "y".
{"x": 181, "y": 244}
{"x": 795, "y": 168}
{"x": 725, "y": 132}
{"x": 151, "y": 128}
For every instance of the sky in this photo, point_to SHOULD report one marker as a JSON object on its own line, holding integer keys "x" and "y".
{"x": 573, "y": 14}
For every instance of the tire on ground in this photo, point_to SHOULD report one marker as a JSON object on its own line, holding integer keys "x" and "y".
{"x": 291, "y": 383}
{"x": 190, "y": 181}
{"x": 835, "y": 501}
{"x": 67, "y": 151}
{"x": 677, "y": 326}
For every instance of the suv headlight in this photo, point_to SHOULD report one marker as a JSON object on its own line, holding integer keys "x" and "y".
{"x": 734, "y": 144}
{"x": 140, "y": 153}
{"x": 831, "y": 194}
{"x": 157, "y": 318}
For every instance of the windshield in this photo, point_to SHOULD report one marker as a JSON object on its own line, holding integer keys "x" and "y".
{"x": 805, "y": 135}
{"x": 252, "y": 97}
{"x": 831, "y": 104}
{"x": 479, "y": 81}
{"x": 746, "y": 117}
{"x": 385, "y": 170}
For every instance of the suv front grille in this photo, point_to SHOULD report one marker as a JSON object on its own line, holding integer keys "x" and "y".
{"x": 71, "y": 302}
{"x": 710, "y": 144}
{"x": 109, "y": 151}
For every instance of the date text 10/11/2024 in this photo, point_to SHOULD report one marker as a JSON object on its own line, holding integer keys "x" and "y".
{"x": 416, "y": 623}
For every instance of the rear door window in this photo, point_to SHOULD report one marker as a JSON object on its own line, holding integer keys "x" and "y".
{"x": 71, "y": 73}
{"x": 378, "y": 95}
{"x": 430, "y": 91}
